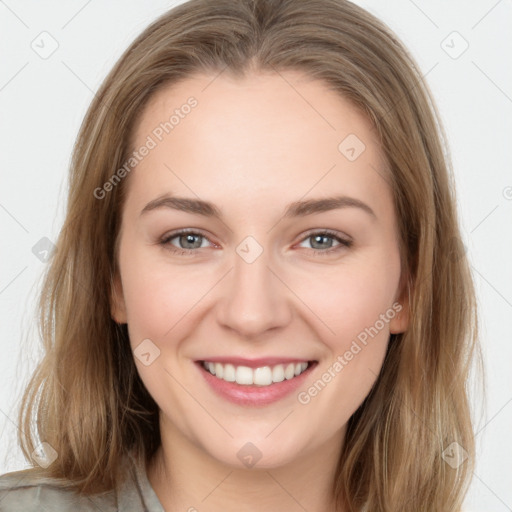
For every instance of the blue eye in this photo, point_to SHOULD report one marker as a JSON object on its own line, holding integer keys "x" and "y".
{"x": 319, "y": 238}
{"x": 190, "y": 241}
{"x": 186, "y": 237}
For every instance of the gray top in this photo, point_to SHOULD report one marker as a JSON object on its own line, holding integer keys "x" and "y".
{"x": 23, "y": 491}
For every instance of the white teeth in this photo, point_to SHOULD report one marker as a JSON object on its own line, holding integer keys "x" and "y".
{"x": 244, "y": 375}
{"x": 278, "y": 373}
{"x": 219, "y": 370}
{"x": 289, "y": 373}
{"x": 263, "y": 376}
{"x": 229, "y": 373}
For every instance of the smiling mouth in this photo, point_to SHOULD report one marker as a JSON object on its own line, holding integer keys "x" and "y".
{"x": 261, "y": 376}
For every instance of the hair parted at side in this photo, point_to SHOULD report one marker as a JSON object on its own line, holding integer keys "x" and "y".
{"x": 86, "y": 395}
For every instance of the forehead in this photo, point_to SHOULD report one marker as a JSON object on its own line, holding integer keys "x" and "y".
{"x": 265, "y": 137}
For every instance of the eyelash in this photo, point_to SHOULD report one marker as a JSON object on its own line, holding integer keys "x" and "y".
{"x": 343, "y": 243}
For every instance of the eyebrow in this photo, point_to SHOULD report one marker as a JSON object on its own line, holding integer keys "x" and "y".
{"x": 295, "y": 209}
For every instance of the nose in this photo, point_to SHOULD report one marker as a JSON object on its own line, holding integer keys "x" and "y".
{"x": 255, "y": 299}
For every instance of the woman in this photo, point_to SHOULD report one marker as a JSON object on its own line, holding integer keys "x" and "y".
{"x": 204, "y": 351}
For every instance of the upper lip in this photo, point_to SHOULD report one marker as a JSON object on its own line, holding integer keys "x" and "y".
{"x": 255, "y": 363}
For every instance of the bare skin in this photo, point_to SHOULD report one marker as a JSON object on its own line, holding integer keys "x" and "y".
{"x": 251, "y": 147}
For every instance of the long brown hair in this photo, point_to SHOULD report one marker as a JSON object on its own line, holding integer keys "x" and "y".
{"x": 90, "y": 404}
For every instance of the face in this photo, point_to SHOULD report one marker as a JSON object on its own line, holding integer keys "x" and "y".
{"x": 270, "y": 277}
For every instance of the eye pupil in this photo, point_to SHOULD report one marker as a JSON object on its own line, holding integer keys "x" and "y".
{"x": 317, "y": 238}
{"x": 189, "y": 238}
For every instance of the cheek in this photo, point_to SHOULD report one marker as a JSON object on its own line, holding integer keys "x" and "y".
{"x": 357, "y": 309}
{"x": 159, "y": 295}
{"x": 355, "y": 306}
{"x": 350, "y": 299}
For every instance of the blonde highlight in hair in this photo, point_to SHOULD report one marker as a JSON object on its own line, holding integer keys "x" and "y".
{"x": 88, "y": 400}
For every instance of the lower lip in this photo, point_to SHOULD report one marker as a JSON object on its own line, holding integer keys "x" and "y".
{"x": 254, "y": 395}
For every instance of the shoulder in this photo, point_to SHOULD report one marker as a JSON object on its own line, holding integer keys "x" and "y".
{"x": 30, "y": 491}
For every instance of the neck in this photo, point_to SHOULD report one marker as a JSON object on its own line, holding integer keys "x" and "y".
{"x": 185, "y": 477}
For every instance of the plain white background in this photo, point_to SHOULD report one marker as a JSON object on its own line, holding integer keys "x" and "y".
{"x": 463, "y": 49}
